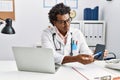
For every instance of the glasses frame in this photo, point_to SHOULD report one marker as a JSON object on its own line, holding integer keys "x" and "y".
{"x": 64, "y": 21}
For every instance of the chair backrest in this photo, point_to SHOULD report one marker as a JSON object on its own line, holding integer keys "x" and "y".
{"x": 111, "y": 55}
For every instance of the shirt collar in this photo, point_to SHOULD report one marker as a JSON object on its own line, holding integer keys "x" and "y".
{"x": 57, "y": 31}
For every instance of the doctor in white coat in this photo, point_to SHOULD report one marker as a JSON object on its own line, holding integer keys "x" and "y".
{"x": 68, "y": 44}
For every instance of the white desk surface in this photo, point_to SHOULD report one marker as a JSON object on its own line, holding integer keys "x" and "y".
{"x": 102, "y": 64}
{"x": 8, "y": 71}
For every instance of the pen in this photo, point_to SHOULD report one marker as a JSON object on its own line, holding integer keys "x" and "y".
{"x": 97, "y": 54}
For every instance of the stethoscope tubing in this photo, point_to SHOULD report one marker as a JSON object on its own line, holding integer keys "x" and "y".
{"x": 53, "y": 36}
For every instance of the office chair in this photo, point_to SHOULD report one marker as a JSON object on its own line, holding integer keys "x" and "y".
{"x": 111, "y": 55}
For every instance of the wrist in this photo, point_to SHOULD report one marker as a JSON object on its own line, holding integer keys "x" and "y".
{"x": 76, "y": 58}
{"x": 68, "y": 59}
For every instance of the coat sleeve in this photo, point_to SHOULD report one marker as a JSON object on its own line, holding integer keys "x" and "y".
{"x": 47, "y": 42}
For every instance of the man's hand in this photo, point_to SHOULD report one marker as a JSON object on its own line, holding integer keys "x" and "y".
{"x": 105, "y": 53}
{"x": 85, "y": 58}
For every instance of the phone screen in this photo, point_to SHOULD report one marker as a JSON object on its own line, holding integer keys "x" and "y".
{"x": 99, "y": 51}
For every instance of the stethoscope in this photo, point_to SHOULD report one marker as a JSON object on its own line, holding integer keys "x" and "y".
{"x": 58, "y": 49}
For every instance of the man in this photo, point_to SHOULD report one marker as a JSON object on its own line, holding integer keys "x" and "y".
{"x": 68, "y": 44}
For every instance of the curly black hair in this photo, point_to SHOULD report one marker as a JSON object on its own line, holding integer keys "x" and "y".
{"x": 58, "y": 9}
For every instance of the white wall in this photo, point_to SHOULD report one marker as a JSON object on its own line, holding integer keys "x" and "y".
{"x": 30, "y": 21}
{"x": 90, "y": 4}
{"x": 32, "y": 18}
{"x": 112, "y": 16}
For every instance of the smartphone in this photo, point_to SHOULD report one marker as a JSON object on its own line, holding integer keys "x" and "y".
{"x": 99, "y": 52}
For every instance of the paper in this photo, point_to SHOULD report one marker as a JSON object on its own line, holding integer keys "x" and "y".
{"x": 6, "y": 6}
{"x": 74, "y": 64}
{"x": 92, "y": 71}
{"x": 115, "y": 66}
{"x": 48, "y": 3}
{"x": 72, "y": 3}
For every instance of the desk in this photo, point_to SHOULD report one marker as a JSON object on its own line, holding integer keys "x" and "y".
{"x": 102, "y": 64}
{"x": 8, "y": 71}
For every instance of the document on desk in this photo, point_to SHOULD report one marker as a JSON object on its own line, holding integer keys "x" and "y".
{"x": 89, "y": 71}
{"x": 75, "y": 64}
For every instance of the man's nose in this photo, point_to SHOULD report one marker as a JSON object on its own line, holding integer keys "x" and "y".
{"x": 66, "y": 23}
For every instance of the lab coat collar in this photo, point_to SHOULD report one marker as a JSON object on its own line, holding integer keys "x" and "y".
{"x": 58, "y": 38}
{"x": 53, "y": 30}
{"x": 69, "y": 32}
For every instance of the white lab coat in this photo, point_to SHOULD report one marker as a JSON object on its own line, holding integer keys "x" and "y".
{"x": 47, "y": 42}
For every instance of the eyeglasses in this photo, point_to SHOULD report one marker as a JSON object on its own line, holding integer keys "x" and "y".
{"x": 64, "y": 21}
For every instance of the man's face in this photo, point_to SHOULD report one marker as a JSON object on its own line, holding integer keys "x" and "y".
{"x": 63, "y": 23}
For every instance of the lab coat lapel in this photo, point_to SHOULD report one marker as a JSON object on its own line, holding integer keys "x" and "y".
{"x": 59, "y": 39}
{"x": 68, "y": 39}
{"x": 69, "y": 36}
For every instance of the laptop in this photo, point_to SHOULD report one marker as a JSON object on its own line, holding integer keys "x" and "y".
{"x": 34, "y": 59}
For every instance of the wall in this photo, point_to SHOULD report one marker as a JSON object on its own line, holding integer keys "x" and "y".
{"x": 28, "y": 26}
{"x": 32, "y": 18}
{"x": 112, "y": 16}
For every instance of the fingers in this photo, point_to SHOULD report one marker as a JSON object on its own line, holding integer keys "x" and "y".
{"x": 116, "y": 78}
{"x": 105, "y": 53}
{"x": 88, "y": 60}
{"x": 85, "y": 59}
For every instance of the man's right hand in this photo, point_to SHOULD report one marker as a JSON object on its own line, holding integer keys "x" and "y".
{"x": 85, "y": 58}
{"x": 82, "y": 58}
